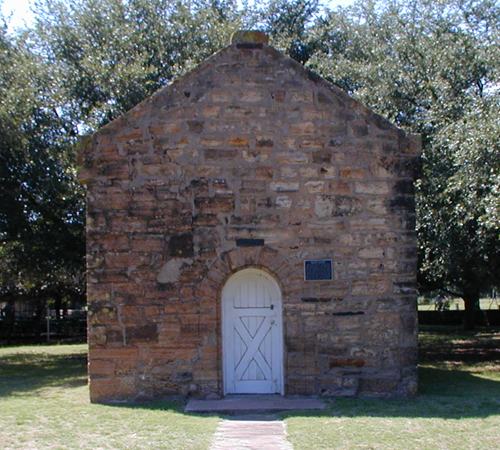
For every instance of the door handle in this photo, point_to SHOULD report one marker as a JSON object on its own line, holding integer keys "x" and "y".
{"x": 271, "y": 307}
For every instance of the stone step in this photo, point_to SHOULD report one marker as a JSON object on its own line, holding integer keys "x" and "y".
{"x": 238, "y": 404}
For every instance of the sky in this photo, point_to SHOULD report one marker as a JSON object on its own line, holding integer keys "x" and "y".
{"x": 20, "y": 10}
{"x": 21, "y": 14}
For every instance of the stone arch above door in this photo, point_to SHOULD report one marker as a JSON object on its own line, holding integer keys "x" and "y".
{"x": 209, "y": 292}
{"x": 265, "y": 258}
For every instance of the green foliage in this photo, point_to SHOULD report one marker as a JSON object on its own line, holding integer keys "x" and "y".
{"x": 109, "y": 55}
{"x": 82, "y": 65}
{"x": 41, "y": 203}
{"x": 459, "y": 206}
{"x": 289, "y": 25}
{"x": 414, "y": 63}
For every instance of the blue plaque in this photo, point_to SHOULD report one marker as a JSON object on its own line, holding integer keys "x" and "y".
{"x": 318, "y": 269}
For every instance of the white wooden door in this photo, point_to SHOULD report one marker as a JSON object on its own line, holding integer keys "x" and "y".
{"x": 252, "y": 334}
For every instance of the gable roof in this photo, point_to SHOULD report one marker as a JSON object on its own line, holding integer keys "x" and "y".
{"x": 332, "y": 93}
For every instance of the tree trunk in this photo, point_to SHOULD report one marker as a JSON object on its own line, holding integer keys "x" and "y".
{"x": 58, "y": 305}
{"x": 40, "y": 317}
{"x": 10, "y": 318}
{"x": 471, "y": 301}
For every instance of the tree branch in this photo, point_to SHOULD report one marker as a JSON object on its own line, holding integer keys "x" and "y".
{"x": 448, "y": 291}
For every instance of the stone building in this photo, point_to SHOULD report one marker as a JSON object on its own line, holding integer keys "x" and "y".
{"x": 250, "y": 230}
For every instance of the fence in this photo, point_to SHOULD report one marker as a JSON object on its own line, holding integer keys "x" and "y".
{"x": 484, "y": 317}
{"x": 33, "y": 330}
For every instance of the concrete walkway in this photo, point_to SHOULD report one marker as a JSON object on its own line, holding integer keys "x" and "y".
{"x": 251, "y": 433}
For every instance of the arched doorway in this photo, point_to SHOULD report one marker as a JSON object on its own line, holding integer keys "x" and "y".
{"x": 252, "y": 334}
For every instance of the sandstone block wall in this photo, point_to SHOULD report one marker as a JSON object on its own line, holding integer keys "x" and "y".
{"x": 250, "y": 145}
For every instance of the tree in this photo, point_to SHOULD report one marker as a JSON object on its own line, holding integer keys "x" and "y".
{"x": 83, "y": 64}
{"x": 109, "y": 55}
{"x": 289, "y": 25}
{"x": 429, "y": 66}
{"x": 459, "y": 208}
{"x": 41, "y": 203}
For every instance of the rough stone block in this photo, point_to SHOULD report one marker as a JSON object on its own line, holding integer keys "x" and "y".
{"x": 284, "y": 186}
{"x": 181, "y": 245}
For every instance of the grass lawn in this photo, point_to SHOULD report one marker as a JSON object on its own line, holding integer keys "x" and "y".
{"x": 44, "y": 404}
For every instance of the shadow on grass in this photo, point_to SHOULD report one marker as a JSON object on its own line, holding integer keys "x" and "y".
{"x": 438, "y": 344}
{"x": 444, "y": 393}
{"x": 456, "y": 383}
{"x": 26, "y": 372}
{"x": 176, "y": 405}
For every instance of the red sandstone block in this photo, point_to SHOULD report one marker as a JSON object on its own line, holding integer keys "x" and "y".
{"x": 112, "y": 353}
{"x": 251, "y": 96}
{"x": 102, "y": 389}
{"x": 113, "y": 242}
{"x": 109, "y": 152}
{"x": 279, "y": 95}
{"x": 220, "y": 95}
{"x": 292, "y": 158}
{"x": 129, "y": 134}
{"x": 98, "y": 293}
{"x": 147, "y": 243}
{"x": 152, "y": 312}
{"x": 129, "y": 312}
{"x": 194, "y": 330}
{"x": 302, "y": 128}
{"x": 101, "y": 367}
{"x": 238, "y": 141}
{"x": 207, "y": 374}
{"x": 117, "y": 260}
{"x": 212, "y": 142}
{"x": 340, "y": 187}
{"x": 121, "y": 223}
{"x": 352, "y": 173}
{"x": 215, "y": 153}
{"x": 377, "y": 385}
{"x": 371, "y": 287}
{"x": 186, "y": 292}
{"x": 214, "y": 204}
{"x": 347, "y": 362}
{"x": 207, "y": 294}
{"x": 312, "y": 143}
{"x": 210, "y": 111}
{"x": 115, "y": 170}
{"x": 372, "y": 187}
